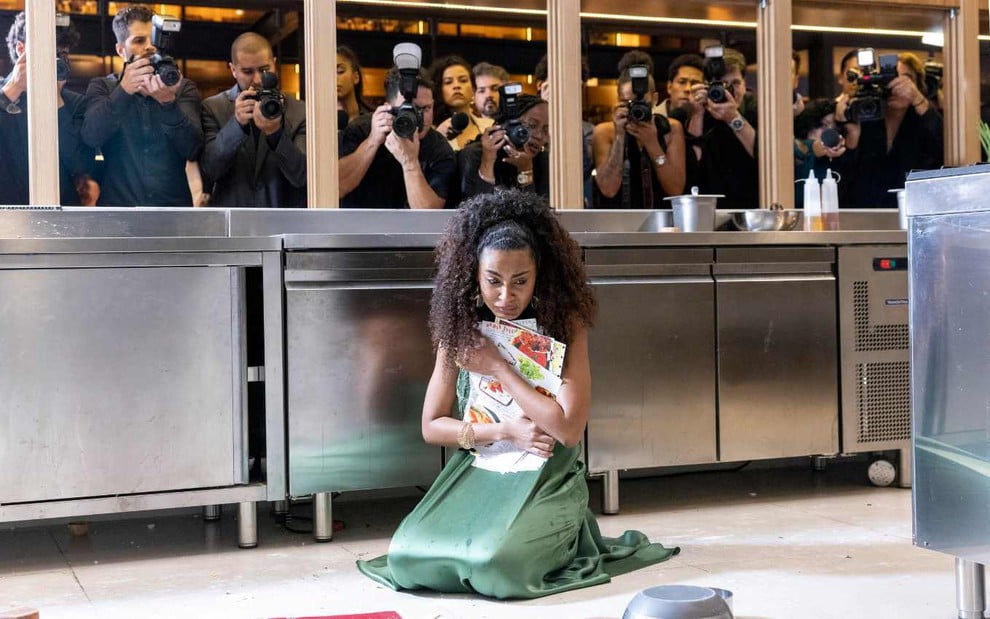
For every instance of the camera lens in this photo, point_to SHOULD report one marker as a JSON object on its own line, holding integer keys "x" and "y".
{"x": 640, "y": 111}
{"x": 165, "y": 69}
{"x": 518, "y": 134}
{"x": 271, "y": 107}
{"x": 404, "y": 124}
{"x": 716, "y": 93}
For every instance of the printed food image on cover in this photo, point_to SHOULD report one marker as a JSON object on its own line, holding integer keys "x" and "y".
{"x": 538, "y": 359}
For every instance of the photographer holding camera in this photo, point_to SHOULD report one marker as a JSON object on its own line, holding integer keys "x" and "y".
{"x": 416, "y": 165}
{"x": 74, "y": 157}
{"x": 146, "y": 120}
{"x": 720, "y": 137}
{"x": 255, "y": 152}
{"x": 890, "y": 129}
{"x": 512, "y": 152}
{"x": 639, "y": 155}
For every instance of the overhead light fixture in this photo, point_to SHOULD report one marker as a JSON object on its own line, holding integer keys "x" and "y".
{"x": 935, "y": 39}
{"x": 743, "y": 25}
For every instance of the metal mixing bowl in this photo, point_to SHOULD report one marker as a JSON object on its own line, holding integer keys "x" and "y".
{"x": 765, "y": 220}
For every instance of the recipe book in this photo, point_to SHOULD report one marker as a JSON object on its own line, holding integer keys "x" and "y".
{"x": 539, "y": 359}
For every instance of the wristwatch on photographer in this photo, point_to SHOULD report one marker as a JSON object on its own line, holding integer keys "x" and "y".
{"x": 525, "y": 177}
{"x": 737, "y": 123}
{"x": 659, "y": 160}
{"x": 7, "y": 105}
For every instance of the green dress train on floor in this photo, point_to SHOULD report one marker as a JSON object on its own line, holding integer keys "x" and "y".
{"x": 515, "y": 535}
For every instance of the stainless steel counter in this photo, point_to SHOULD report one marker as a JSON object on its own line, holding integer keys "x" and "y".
{"x": 173, "y": 281}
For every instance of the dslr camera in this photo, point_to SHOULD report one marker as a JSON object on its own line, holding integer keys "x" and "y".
{"x": 715, "y": 74}
{"x": 640, "y": 109}
{"x": 63, "y": 67}
{"x": 270, "y": 99}
{"x": 408, "y": 118}
{"x": 873, "y": 85}
{"x": 164, "y": 32}
{"x": 508, "y": 98}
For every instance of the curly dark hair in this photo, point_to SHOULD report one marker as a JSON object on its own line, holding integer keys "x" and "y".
{"x": 507, "y": 219}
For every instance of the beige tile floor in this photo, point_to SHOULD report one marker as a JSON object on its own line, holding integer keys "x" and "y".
{"x": 790, "y": 543}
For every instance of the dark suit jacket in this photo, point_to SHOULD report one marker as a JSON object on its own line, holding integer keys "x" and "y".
{"x": 241, "y": 169}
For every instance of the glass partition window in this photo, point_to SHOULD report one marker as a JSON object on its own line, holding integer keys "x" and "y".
{"x": 868, "y": 101}
{"x": 669, "y": 103}
{"x": 477, "y": 111}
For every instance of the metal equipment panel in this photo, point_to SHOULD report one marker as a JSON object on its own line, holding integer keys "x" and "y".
{"x": 119, "y": 381}
{"x": 874, "y": 345}
{"x": 950, "y": 366}
{"x": 652, "y": 358}
{"x": 653, "y": 369}
{"x": 359, "y": 361}
{"x": 777, "y": 354}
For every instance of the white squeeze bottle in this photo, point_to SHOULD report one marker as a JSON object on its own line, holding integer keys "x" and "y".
{"x": 830, "y": 201}
{"x": 812, "y": 202}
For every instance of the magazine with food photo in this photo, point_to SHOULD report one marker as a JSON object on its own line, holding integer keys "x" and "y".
{"x": 538, "y": 359}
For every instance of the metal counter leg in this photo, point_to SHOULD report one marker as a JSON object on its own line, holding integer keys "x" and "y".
{"x": 322, "y": 517}
{"x": 247, "y": 524}
{"x": 280, "y": 508}
{"x": 906, "y": 476}
{"x": 819, "y": 463}
{"x": 211, "y": 513}
{"x": 970, "y": 589}
{"x": 610, "y": 492}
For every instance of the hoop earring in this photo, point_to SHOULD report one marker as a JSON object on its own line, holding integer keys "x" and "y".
{"x": 478, "y": 301}
{"x": 535, "y": 301}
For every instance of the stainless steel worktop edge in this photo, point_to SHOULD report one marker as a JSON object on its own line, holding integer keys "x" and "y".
{"x": 88, "y": 245}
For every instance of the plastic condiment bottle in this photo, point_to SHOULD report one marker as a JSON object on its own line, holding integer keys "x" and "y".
{"x": 812, "y": 202}
{"x": 830, "y": 201}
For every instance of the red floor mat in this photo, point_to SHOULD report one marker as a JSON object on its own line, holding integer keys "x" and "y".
{"x": 387, "y": 614}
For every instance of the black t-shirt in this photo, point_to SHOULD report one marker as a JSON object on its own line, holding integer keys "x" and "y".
{"x": 874, "y": 170}
{"x": 637, "y": 167}
{"x": 725, "y": 166}
{"x": 383, "y": 185}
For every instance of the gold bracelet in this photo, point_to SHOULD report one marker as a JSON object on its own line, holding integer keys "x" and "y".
{"x": 465, "y": 437}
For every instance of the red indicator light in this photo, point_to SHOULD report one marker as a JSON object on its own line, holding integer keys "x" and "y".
{"x": 885, "y": 264}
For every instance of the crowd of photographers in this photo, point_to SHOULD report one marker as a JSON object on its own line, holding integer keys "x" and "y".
{"x": 454, "y": 130}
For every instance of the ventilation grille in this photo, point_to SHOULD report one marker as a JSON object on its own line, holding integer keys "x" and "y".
{"x": 877, "y": 337}
{"x": 883, "y": 398}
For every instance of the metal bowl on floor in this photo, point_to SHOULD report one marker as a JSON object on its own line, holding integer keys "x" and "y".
{"x": 679, "y": 602}
{"x": 766, "y": 220}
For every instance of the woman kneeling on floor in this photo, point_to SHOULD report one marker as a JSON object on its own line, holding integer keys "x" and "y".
{"x": 529, "y": 533}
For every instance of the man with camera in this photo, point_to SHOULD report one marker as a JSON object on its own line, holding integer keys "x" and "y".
{"x": 639, "y": 156}
{"x": 255, "y": 152}
{"x": 74, "y": 156}
{"x": 720, "y": 137}
{"x": 891, "y": 128}
{"x": 393, "y": 158}
{"x": 146, "y": 120}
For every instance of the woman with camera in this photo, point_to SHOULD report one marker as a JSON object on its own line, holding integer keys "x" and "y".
{"x": 510, "y": 153}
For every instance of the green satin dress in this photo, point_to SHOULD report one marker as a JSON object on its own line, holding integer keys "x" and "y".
{"x": 516, "y": 535}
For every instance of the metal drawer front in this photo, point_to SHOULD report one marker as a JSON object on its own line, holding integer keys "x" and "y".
{"x": 136, "y": 385}
{"x": 359, "y": 361}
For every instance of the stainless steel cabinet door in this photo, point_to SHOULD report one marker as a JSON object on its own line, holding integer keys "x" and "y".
{"x": 119, "y": 381}
{"x": 653, "y": 374}
{"x": 359, "y": 361}
{"x": 777, "y": 364}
